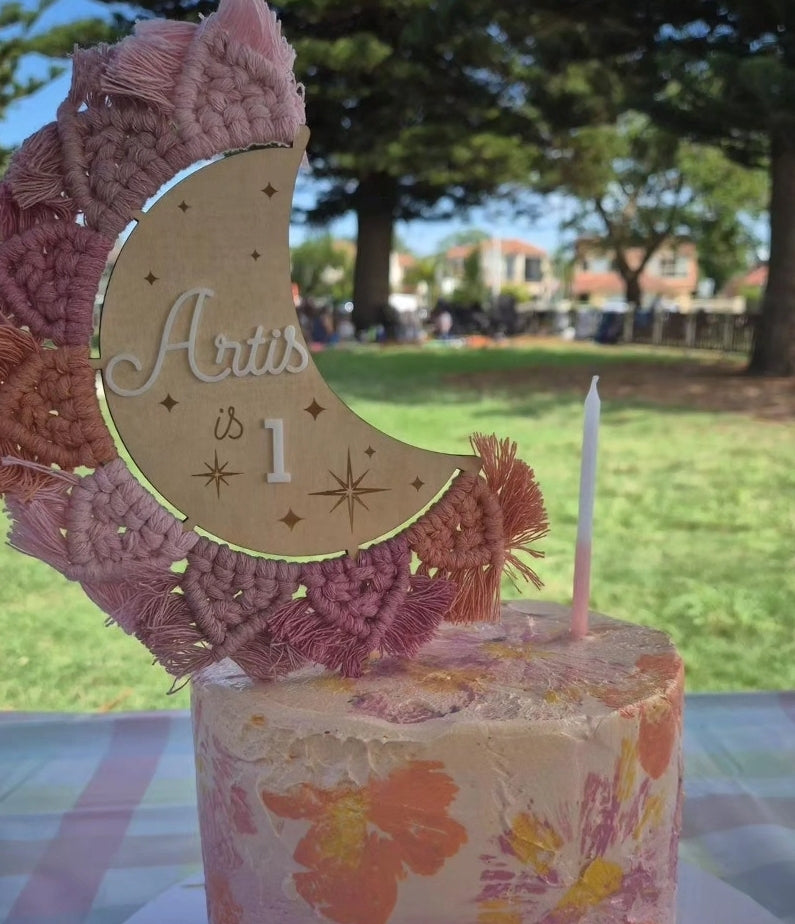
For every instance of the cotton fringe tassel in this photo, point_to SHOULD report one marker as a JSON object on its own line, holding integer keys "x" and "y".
{"x": 140, "y": 603}
{"x": 255, "y": 25}
{"x": 418, "y": 619}
{"x": 524, "y": 516}
{"x": 35, "y": 173}
{"x": 483, "y": 521}
{"x": 181, "y": 647}
{"x": 147, "y": 64}
{"x": 39, "y": 522}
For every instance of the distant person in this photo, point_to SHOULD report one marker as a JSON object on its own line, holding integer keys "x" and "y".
{"x": 444, "y": 324}
{"x": 323, "y": 327}
{"x": 345, "y": 329}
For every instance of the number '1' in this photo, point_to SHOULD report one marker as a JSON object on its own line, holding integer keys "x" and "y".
{"x": 278, "y": 475}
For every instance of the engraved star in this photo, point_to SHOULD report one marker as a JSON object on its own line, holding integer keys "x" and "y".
{"x": 269, "y": 190}
{"x": 255, "y": 255}
{"x": 183, "y": 206}
{"x": 417, "y": 483}
{"x": 290, "y": 519}
{"x": 216, "y": 474}
{"x": 314, "y": 409}
{"x": 151, "y": 278}
{"x": 349, "y": 491}
{"x": 169, "y": 403}
{"x": 369, "y": 452}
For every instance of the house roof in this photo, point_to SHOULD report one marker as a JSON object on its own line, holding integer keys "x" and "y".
{"x": 507, "y": 246}
{"x": 755, "y": 278}
{"x": 585, "y": 283}
{"x": 585, "y": 245}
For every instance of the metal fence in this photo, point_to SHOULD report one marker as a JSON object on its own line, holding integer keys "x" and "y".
{"x": 698, "y": 330}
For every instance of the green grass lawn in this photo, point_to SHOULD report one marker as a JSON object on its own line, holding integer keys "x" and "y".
{"x": 693, "y": 526}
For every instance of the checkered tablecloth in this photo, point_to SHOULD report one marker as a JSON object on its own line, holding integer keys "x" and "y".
{"x": 97, "y": 812}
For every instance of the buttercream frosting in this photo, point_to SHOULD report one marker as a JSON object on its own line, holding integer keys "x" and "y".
{"x": 507, "y": 775}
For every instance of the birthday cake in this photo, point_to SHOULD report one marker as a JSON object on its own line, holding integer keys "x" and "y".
{"x": 506, "y": 775}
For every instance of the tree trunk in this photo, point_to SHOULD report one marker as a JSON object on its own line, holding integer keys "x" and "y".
{"x": 774, "y": 343}
{"x": 375, "y": 204}
{"x": 633, "y": 290}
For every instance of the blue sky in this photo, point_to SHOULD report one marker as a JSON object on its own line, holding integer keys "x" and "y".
{"x": 422, "y": 237}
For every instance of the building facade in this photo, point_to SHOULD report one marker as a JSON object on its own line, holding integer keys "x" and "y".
{"x": 671, "y": 275}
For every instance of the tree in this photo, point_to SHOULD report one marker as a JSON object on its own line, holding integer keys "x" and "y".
{"x": 719, "y": 73}
{"x": 640, "y": 187}
{"x": 410, "y": 104}
{"x": 21, "y": 37}
{"x": 471, "y": 288}
{"x": 323, "y": 267}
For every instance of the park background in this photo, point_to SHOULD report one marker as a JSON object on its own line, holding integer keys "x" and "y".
{"x": 695, "y": 512}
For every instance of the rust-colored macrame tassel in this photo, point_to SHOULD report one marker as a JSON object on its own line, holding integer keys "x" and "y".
{"x": 477, "y": 528}
{"x": 524, "y": 517}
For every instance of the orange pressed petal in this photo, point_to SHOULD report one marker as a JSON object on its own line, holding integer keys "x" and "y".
{"x": 302, "y": 801}
{"x": 365, "y": 894}
{"x": 411, "y": 805}
{"x": 659, "y": 727}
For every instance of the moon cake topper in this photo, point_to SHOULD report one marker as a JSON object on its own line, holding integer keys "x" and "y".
{"x": 269, "y": 458}
{"x": 211, "y": 386}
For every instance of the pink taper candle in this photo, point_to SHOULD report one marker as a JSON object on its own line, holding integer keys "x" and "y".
{"x": 582, "y": 556}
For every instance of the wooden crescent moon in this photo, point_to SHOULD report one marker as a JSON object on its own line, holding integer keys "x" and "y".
{"x": 212, "y": 387}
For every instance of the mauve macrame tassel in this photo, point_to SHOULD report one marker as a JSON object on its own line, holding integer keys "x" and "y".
{"x": 523, "y": 514}
{"x": 350, "y": 603}
{"x": 147, "y": 64}
{"x": 137, "y": 604}
{"x": 35, "y": 173}
{"x": 418, "y": 619}
{"x": 477, "y": 528}
{"x": 255, "y": 25}
{"x": 267, "y": 659}
{"x": 38, "y": 524}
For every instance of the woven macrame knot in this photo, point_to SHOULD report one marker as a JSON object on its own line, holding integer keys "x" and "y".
{"x": 350, "y": 605}
{"x": 359, "y": 594}
{"x": 464, "y": 529}
{"x": 117, "y": 154}
{"x": 225, "y": 589}
{"x": 230, "y": 96}
{"x": 112, "y": 519}
{"x": 49, "y": 411}
{"x": 49, "y": 276}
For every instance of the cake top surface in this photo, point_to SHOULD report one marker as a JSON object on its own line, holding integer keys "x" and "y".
{"x": 525, "y": 668}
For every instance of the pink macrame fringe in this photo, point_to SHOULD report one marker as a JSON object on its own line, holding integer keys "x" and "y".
{"x": 255, "y": 25}
{"x": 298, "y": 625}
{"x": 38, "y": 524}
{"x": 35, "y": 174}
{"x": 148, "y": 63}
{"x": 268, "y": 659}
{"x": 138, "y": 604}
{"x": 418, "y": 619}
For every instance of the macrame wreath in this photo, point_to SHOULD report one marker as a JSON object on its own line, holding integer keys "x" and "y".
{"x": 137, "y": 113}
